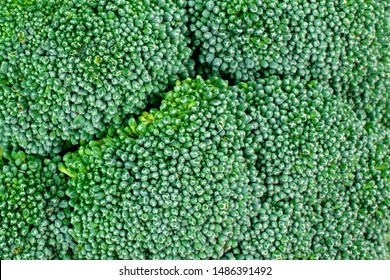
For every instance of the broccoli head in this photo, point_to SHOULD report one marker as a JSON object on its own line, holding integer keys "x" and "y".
{"x": 326, "y": 175}
{"x": 71, "y": 69}
{"x": 337, "y": 41}
{"x": 174, "y": 184}
{"x": 34, "y": 210}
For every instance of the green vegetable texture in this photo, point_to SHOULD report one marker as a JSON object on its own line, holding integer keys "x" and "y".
{"x": 194, "y": 129}
{"x": 71, "y": 69}
{"x": 173, "y": 184}
{"x": 310, "y": 181}
{"x": 330, "y": 40}
{"x": 327, "y": 188}
{"x": 35, "y": 213}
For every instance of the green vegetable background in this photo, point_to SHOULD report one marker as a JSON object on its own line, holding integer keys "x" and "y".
{"x": 194, "y": 129}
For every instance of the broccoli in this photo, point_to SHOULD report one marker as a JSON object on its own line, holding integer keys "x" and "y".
{"x": 191, "y": 129}
{"x": 172, "y": 185}
{"x": 34, "y": 210}
{"x": 271, "y": 169}
{"x": 326, "y": 177}
{"x": 337, "y": 41}
{"x": 71, "y": 69}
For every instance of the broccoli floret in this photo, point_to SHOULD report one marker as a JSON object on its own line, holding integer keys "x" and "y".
{"x": 34, "y": 210}
{"x": 337, "y": 41}
{"x": 172, "y": 185}
{"x": 71, "y": 69}
{"x": 271, "y": 169}
{"x": 326, "y": 176}
{"x": 109, "y": 151}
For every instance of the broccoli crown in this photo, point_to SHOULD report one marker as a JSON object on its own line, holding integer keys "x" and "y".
{"x": 34, "y": 210}
{"x": 289, "y": 161}
{"x": 319, "y": 39}
{"x": 326, "y": 176}
{"x": 173, "y": 185}
{"x": 71, "y": 69}
{"x": 278, "y": 168}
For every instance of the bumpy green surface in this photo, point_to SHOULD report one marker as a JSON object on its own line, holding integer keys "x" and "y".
{"x": 325, "y": 173}
{"x": 34, "y": 210}
{"x": 337, "y": 41}
{"x": 71, "y": 69}
{"x": 272, "y": 169}
{"x": 173, "y": 185}
{"x": 290, "y": 161}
